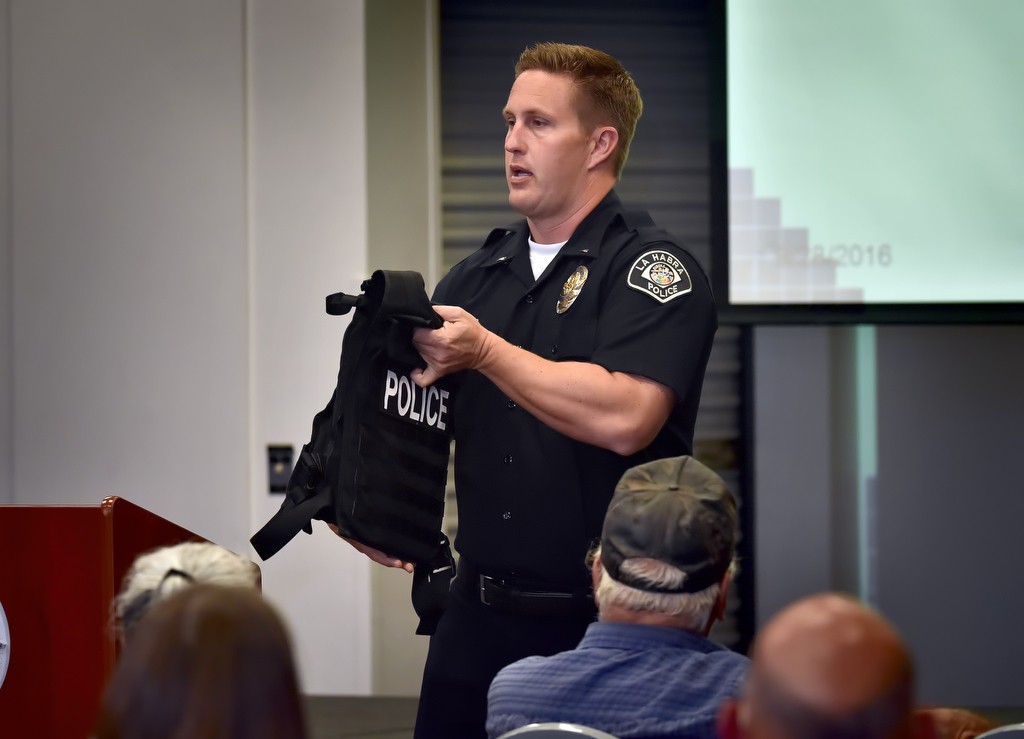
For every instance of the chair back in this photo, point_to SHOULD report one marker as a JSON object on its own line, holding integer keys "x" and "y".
{"x": 1010, "y": 731}
{"x": 558, "y": 731}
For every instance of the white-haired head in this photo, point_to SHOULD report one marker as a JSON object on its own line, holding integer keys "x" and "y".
{"x": 692, "y": 611}
{"x": 158, "y": 573}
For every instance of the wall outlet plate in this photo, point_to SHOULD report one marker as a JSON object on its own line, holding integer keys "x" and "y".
{"x": 280, "y": 460}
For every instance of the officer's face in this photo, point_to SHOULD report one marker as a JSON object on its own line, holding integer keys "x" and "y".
{"x": 546, "y": 148}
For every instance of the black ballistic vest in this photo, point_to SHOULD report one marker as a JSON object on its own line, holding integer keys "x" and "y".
{"x": 376, "y": 464}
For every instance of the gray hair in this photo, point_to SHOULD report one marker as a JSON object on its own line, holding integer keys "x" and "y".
{"x": 157, "y": 574}
{"x": 692, "y": 609}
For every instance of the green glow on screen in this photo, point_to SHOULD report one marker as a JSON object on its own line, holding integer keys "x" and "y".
{"x": 896, "y": 123}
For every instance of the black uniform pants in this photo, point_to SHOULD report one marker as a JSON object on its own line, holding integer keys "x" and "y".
{"x": 472, "y": 642}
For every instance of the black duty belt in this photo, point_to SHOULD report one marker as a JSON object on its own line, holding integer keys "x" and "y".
{"x": 529, "y": 600}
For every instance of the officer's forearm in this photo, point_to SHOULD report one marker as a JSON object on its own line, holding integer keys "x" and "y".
{"x": 612, "y": 410}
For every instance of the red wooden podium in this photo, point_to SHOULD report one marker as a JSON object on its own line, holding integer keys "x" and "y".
{"x": 60, "y": 567}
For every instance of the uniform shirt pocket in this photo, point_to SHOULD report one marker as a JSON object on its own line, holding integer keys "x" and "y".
{"x": 575, "y": 339}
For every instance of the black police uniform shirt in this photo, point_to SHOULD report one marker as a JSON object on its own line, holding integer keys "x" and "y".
{"x": 531, "y": 501}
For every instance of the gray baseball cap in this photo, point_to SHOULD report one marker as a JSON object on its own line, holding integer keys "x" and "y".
{"x": 676, "y": 511}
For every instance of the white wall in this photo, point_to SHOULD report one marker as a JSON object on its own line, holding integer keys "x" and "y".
{"x": 402, "y": 149}
{"x": 129, "y": 256}
{"x": 187, "y": 184}
{"x": 308, "y": 218}
{"x": 6, "y": 277}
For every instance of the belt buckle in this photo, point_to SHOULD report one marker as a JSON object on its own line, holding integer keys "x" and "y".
{"x": 484, "y": 580}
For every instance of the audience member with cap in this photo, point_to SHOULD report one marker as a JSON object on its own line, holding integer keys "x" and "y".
{"x": 829, "y": 667}
{"x": 161, "y": 572}
{"x": 661, "y": 574}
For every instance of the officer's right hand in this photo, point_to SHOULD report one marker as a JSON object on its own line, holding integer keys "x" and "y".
{"x": 375, "y": 554}
{"x": 461, "y": 343}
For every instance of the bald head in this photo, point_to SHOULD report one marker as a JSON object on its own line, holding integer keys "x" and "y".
{"x": 829, "y": 666}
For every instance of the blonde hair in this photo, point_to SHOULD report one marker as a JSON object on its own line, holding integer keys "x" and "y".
{"x": 605, "y": 91}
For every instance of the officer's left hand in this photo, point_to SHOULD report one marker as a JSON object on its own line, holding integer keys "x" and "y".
{"x": 461, "y": 343}
{"x": 375, "y": 554}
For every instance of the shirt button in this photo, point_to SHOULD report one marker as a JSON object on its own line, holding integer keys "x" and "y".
{"x": 511, "y": 405}
{"x": 529, "y": 298}
{"x": 554, "y": 348}
{"x": 508, "y": 459}
{"x": 507, "y": 515}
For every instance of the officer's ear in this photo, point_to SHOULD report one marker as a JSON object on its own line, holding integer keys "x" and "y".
{"x": 595, "y": 569}
{"x": 603, "y": 142}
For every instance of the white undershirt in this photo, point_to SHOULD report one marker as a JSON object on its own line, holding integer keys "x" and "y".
{"x": 541, "y": 255}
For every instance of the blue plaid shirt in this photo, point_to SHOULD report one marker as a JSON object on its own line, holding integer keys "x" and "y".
{"x": 631, "y": 680}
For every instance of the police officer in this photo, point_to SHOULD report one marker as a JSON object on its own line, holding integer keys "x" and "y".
{"x": 581, "y": 335}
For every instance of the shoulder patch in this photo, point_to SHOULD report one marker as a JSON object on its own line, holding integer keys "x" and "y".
{"x": 659, "y": 274}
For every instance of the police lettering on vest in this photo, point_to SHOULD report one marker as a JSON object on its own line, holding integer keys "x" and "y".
{"x": 404, "y": 399}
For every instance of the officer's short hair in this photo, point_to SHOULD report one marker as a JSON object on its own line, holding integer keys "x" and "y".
{"x": 606, "y": 93}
